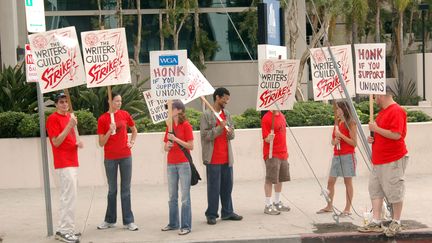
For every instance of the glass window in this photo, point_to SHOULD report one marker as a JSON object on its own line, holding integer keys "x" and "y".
{"x": 226, "y": 3}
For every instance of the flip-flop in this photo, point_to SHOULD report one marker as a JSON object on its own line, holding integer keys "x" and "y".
{"x": 345, "y": 214}
{"x": 323, "y": 210}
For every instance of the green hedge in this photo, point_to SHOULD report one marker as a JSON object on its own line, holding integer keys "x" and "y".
{"x": 19, "y": 124}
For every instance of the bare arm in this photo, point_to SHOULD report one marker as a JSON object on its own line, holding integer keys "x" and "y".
{"x": 384, "y": 132}
{"x": 133, "y": 136}
{"x": 187, "y": 144}
{"x": 103, "y": 138}
{"x": 352, "y": 140}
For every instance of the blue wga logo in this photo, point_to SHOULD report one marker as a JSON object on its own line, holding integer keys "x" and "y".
{"x": 171, "y": 60}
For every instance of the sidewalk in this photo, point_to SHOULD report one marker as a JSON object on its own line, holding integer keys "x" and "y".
{"x": 22, "y": 214}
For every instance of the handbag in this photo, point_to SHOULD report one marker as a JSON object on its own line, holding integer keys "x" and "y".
{"x": 195, "y": 176}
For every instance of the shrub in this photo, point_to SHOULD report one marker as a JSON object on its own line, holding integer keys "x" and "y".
{"x": 146, "y": 125}
{"x": 87, "y": 123}
{"x": 417, "y": 116}
{"x": 29, "y": 126}
{"x": 9, "y": 123}
{"x": 193, "y": 117}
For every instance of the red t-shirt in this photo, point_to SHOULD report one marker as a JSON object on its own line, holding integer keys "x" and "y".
{"x": 280, "y": 149}
{"x": 184, "y": 132}
{"x": 220, "y": 147}
{"x": 65, "y": 155}
{"x": 345, "y": 148}
{"x": 385, "y": 150}
{"x": 116, "y": 146}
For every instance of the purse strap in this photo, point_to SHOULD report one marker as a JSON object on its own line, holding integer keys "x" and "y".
{"x": 185, "y": 151}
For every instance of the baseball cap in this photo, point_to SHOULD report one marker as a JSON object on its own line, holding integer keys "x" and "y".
{"x": 58, "y": 96}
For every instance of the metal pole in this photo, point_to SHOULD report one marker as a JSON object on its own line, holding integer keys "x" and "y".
{"x": 424, "y": 59}
{"x": 45, "y": 168}
{"x": 351, "y": 106}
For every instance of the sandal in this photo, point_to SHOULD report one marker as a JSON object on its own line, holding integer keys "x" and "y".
{"x": 345, "y": 214}
{"x": 324, "y": 210}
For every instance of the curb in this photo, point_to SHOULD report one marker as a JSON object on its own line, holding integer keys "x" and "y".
{"x": 425, "y": 233}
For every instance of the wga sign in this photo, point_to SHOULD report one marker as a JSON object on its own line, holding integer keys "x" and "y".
{"x": 171, "y": 60}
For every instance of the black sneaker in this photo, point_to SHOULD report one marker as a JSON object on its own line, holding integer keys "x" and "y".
{"x": 211, "y": 221}
{"x": 67, "y": 237}
{"x": 233, "y": 216}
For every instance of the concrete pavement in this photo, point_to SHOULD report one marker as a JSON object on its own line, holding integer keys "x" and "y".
{"x": 22, "y": 213}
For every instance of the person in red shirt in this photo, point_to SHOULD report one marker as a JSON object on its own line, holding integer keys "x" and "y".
{"x": 117, "y": 152}
{"x": 218, "y": 157}
{"x": 60, "y": 127}
{"x": 344, "y": 141}
{"x": 389, "y": 159}
{"x": 277, "y": 167}
{"x": 179, "y": 169}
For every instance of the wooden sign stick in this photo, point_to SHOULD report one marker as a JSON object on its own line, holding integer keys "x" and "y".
{"x": 68, "y": 98}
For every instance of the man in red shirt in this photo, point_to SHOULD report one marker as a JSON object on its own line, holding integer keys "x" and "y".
{"x": 277, "y": 167}
{"x": 60, "y": 127}
{"x": 217, "y": 155}
{"x": 389, "y": 158}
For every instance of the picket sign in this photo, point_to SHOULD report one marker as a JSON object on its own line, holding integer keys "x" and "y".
{"x": 326, "y": 83}
{"x": 106, "y": 60}
{"x": 370, "y": 71}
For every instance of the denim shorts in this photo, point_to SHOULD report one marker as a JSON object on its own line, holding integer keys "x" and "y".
{"x": 343, "y": 165}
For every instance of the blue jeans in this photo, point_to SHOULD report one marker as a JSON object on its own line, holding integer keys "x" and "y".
{"x": 179, "y": 172}
{"x": 219, "y": 184}
{"x": 111, "y": 168}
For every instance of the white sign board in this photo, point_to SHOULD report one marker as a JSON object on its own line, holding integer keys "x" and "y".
{"x": 31, "y": 74}
{"x": 197, "y": 85}
{"x": 326, "y": 83}
{"x": 370, "y": 68}
{"x": 277, "y": 84}
{"x": 35, "y": 15}
{"x": 168, "y": 74}
{"x": 156, "y": 108}
{"x": 58, "y": 59}
{"x": 106, "y": 57}
{"x": 272, "y": 51}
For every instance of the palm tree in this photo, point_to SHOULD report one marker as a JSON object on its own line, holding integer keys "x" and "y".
{"x": 399, "y": 7}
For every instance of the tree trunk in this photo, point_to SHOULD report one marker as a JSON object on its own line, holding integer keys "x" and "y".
{"x": 377, "y": 22}
{"x": 119, "y": 14}
{"x": 137, "y": 46}
{"x": 198, "y": 35}
{"x": 161, "y": 36}
{"x": 291, "y": 16}
{"x": 410, "y": 31}
{"x": 400, "y": 47}
{"x": 314, "y": 42}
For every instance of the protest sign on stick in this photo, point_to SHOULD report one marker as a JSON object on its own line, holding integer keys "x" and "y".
{"x": 277, "y": 84}
{"x": 157, "y": 108}
{"x": 370, "y": 71}
{"x": 58, "y": 59}
{"x": 168, "y": 74}
{"x": 106, "y": 60}
{"x": 326, "y": 83}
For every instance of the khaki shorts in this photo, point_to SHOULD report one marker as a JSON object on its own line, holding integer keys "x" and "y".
{"x": 277, "y": 170}
{"x": 388, "y": 181}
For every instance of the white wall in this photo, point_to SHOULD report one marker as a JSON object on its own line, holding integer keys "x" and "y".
{"x": 413, "y": 70}
{"x": 21, "y": 165}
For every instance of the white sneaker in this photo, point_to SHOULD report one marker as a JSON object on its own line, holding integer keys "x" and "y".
{"x": 105, "y": 225}
{"x": 67, "y": 237}
{"x": 131, "y": 227}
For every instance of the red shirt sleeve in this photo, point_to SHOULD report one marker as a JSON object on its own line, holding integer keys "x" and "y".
{"x": 103, "y": 126}
{"x": 265, "y": 126}
{"x": 166, "y": 135}
{"x": 130, "y": 121}
{"x": 188, "y": 132}
{"x": 397, "y": 123}
{"x": 53, "y": 128}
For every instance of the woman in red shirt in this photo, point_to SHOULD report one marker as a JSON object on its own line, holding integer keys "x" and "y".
{"x": 117, "y": 152}
{"x": 178, "y": 170}
{"x": 344, "y": 140}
